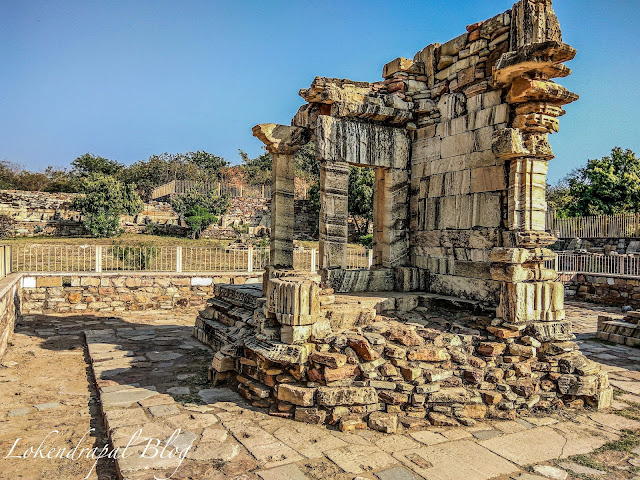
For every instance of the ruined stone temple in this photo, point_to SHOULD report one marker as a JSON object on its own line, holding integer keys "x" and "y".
{"x": 459, "y": 318}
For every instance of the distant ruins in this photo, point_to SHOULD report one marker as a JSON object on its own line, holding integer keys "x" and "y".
{"x": 458, "y": 138}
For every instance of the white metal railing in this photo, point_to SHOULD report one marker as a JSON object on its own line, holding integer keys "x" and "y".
{"x": 571, "y": 262}
{"x": 156, "y": 258}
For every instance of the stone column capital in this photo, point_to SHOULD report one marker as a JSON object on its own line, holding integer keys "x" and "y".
{"x": 282, "y": 139}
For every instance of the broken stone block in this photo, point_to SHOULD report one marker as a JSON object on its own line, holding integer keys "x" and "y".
{"x": 332, "y": 360}
{"x": 301, "y": 396}
{"x": 334, "y": 396}
{"x": 429, "y": 355}
{"x": 383, "y": 422}
{"x": 312, "y": 415}
{"x": 491, "y": 349}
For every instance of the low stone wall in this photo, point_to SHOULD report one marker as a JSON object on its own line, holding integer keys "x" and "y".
{"x": 8, "y": 311}
{"x": 116, "y": 292}
{"x": 602, "y": 289}
{"x": 599, "y": 244}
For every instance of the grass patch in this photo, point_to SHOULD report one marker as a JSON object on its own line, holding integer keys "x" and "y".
{"x": 617, "y": 392}
{"x": 189, "y": 398}
{"x": 627, "y": 442}
{"x": 632, "y": 412}
{"x": 587, "y": 461}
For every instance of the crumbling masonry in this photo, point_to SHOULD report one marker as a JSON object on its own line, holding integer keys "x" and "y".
{"x": 458, "y": 138}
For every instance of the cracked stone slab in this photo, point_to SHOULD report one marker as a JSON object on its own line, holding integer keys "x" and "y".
{"x": 288, "y": 472}
{"x": 427, "y": 437}
{"x": 163, "y": 356}
{"x": 444, "y": 462}
{"x": 360, "y": 458}
{"x": 536, "y": 445}
{"x": 125, "y": 398}
{"x": 262, "y": 445}
{"x": 396, "y": 473}
{"x": 307, "y": 440}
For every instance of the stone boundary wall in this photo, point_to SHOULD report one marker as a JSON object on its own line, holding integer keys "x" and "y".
{"x": 42, "y": 213}
{"x": 9, "y": 296}
{"x": 602, "y": 289}
{"x": 122, "y": 291}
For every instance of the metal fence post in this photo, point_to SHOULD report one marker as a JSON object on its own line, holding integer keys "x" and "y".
{"x": 250, "y": 260}
{"x": 314, "y": 257}
{"x": 98, "y": 258}
{"x": 370, "y": 252}
{"x": 179, "y": 259}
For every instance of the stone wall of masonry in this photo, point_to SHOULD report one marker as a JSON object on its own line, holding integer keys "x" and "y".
{"x": 8, "y": 311}
{"x": 602, "y": 289}
{"x": 55, "y": 293}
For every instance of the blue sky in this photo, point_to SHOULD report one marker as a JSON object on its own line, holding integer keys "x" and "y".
{"x": 128, "y": 79}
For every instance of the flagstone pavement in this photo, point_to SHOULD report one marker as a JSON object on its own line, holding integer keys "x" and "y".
{"x": 139, "y": 377}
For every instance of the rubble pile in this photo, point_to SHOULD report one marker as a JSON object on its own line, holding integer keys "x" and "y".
{"x": 402, "y": 369}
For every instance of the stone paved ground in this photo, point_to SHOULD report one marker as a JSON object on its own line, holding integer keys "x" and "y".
{"x": 151, "y": 375}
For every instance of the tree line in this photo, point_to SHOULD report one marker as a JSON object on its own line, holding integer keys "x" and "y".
{"x": 606, "y": 186}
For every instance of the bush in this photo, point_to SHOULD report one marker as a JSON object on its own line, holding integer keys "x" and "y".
{"x": 135, "y": 257}
{"x": 199, "y": 210}
{"x": 104, "y": 200}
{"x": 366, "y": 240}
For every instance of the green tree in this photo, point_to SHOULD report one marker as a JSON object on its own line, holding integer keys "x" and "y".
{"x": 209, "y": 163}
{"x": 258, "y": 169}
{"x": 104, "y": 199}
{"x": 360, "y": 200}
{"x": 199, "y": 210}
{"x": 88, "y": 164}
{"x": 361, "y": 183}
{"x": 307, "y": 166}
{"x": 559, "y": 198}
{"x": 148, "y": 174}
{"x": 606, "y": 186}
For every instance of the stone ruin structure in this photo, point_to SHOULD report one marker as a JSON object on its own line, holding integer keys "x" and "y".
{"x": 458, "y": 319}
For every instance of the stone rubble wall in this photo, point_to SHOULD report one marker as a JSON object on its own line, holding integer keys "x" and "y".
{"x": 8, "y": 312}
{"x": 602, "y": 289}
{"x": 116, "y": 292}
{"x": 599, "y": 245}
{"x": 397, "y": 362}
{"x": 42, "y": 213}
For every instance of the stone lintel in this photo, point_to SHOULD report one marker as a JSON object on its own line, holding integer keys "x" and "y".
{"x": 282, "y": 138}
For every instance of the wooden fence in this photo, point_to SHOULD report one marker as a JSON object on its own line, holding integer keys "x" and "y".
{"x": 624, "y": 225}
{"x": 177, "y": 187}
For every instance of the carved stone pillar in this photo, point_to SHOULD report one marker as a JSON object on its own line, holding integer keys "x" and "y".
{"x": 529, "y": 293}
{"x": 334, "y": 214}
{"x": 282, "y": 142}
{"x": 282, "y": 196}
